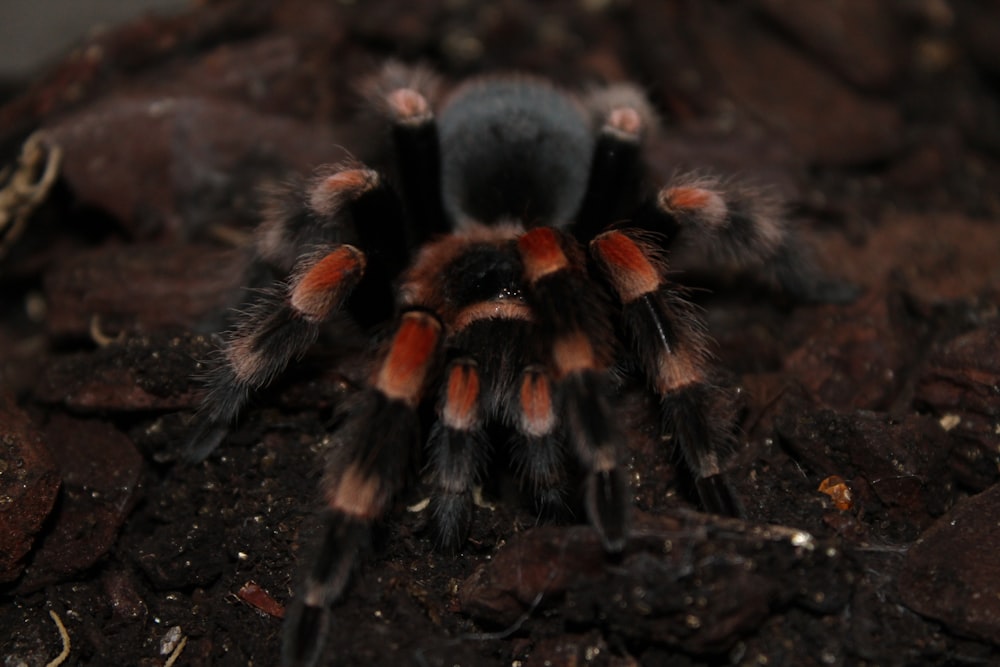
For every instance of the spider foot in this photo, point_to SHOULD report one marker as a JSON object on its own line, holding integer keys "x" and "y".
{"x": 307, "y": 618}
{"x": 606, "y": 497}
{"x": 717, "y": 496}
{"x": 451, "y": 517}
{"x": 208, "y": 435}
{"x": 457, "y": 451}
{"x": 596, "y": 437}
{"x": 304, "y": 634}
{"x": 802, "y": 281}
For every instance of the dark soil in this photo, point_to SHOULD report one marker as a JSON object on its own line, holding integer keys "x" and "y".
{"x": 869, "y": 447}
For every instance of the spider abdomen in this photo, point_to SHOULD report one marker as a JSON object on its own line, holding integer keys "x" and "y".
{"x": 514, "y": 149}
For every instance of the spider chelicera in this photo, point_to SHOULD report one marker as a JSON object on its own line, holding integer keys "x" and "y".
{"x": 510, "y": 280}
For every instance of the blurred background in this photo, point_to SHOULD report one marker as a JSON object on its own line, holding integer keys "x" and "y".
{"x": 136, "y": 155}
{"x": 33, "y": 33}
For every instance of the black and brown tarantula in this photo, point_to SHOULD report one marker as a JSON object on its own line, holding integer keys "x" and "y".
{"x": 512, "y": 279}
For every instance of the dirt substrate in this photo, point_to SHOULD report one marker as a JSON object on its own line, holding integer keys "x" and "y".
{"x": 868, "y": 444}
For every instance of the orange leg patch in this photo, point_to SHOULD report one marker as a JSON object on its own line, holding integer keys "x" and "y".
{"x": 537, "y": 413}
{"x": 626, "y": 265}
{"x": 328, "y": 282}
{"x": 541, "y": 252}
{"x": 573, "y": 352}
{"x": 704, "y": 203}
{"x": 246, "y": 363}
{"x": 405, "y": 369}
{"x": 350, "y": 180}
{"x": 677, "y": 369}
{"x": 332, "y": 191}
{"x": 625, "y": 121}
{"x": 461, "y": 398}
{"x": 357, "y": 494}
{"x": 408, "y": 106}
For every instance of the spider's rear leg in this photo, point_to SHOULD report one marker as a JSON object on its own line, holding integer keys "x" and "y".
{"x": 615, "y": 172}
{"x": 405, "y": 96}
{"x": 278, "y": 327}
{"x": 318, "y": 240}
{"x": 575, "y": 325}
{"x": 742, "y": 228}
{"x": 371, "y": 459}
{"x": 670, "y": 342}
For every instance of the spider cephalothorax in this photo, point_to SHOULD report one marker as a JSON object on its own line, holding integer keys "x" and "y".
{"x": 514, "y": 276}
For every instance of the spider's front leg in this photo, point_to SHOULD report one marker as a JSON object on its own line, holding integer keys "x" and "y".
{"x": 740, "y": 228}
{"x": 279, "y": 326}
{"x": 668, "y": 337}
{"x": 456, "y": 450}
{"x": 314, "y": 235}
{"x": 670, "y": 343}
{"x": 736, "y": 225}
{"x": 574, "y": 322}
{"x": 344, "y": 207}
{"x": 371, "y": 457}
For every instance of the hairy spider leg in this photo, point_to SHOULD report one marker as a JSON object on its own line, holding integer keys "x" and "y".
{"x": 742, "y": 228}
{"x": 456, "y": 454}
{"x": 473, "y": 279}
{"x": 666, "y": 333}
{"x": 279, "y": 326}
{"x": 537, "y": 445}
{"x": 670, "y": 343}
{"x": 615, "y": 173}
{"x": 282, "y": 322}
{"x": 343, "y": 203}
{"x": 514, "y": 392}
{"x": 404, "y": 96}
{"x": 574, "y": 322}
{"x": 512, "y": 389}
{"x": 418, "y": 162}
{"x": 505, "y": 353}
{"x": 371, "y": 459}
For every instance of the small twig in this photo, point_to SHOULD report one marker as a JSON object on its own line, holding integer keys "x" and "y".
{"x": 419, "y": 506}
{"x": 23, "y": 190}
{"x": 64, "y": 636}
{"x": 255, "y": 596}
{"x": 512, "y": 628}
{"x": 176, "y": 653}
{"x": 521, "y": 620}
{"x": 99, "y": 337}
{"x": 236, "y": 238}
{"x": 479, "y": 501}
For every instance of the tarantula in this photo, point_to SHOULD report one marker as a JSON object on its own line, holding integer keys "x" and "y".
{"x": 509, "y": 284}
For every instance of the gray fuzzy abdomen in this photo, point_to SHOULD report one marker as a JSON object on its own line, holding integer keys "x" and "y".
{"x": 514, "y": 149}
